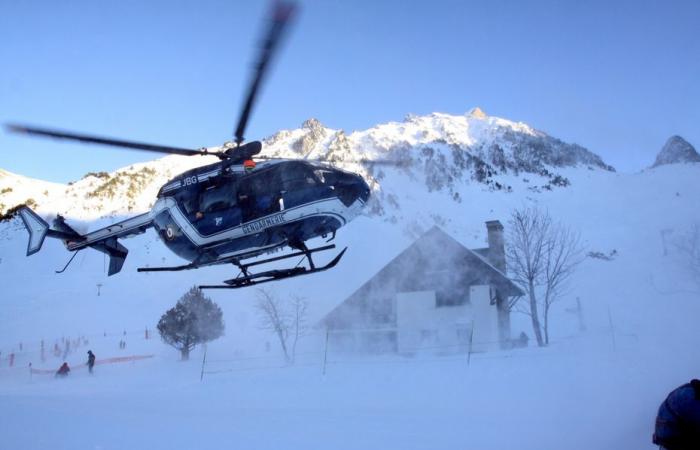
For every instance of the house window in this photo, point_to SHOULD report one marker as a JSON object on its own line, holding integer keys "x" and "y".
{"x": 451, "y": 298}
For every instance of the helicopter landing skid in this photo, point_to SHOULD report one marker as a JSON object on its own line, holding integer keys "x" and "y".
{"x": 245, "y": 278}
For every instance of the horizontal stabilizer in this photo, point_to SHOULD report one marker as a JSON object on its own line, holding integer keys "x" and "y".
{"x": 116, "y": 259}
{"x": 37, "y": 228}
{"x": 116, "y": 251}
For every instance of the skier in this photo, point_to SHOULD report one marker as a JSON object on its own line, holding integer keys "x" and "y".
{"x": 91, "y": 360}
{"x": 63, "y": 370}
{"x": 678, "y": 421}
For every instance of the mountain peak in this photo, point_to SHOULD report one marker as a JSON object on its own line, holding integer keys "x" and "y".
{"x": 676, "y": 150}
{"x": 476, "y": 113}
{"x": 312, "y": 124}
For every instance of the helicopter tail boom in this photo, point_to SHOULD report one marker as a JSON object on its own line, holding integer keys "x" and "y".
{"x": 103, "y": 240}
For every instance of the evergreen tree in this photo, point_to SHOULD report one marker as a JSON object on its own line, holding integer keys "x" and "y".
{"x": 195, "y": 319}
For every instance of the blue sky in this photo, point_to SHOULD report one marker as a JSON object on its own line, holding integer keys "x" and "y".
{"x": 616, "y": 77}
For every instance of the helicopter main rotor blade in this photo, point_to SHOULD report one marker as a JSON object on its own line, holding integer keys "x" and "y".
{"x": 281, "y": 16}
{"x": 57, "y": 134}
{"x": 367, "y": 161}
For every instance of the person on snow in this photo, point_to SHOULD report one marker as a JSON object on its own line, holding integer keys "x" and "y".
{"x": 678, "y": 420}
{"x": 63, "y": 370}
{"x": 91, "y": 360}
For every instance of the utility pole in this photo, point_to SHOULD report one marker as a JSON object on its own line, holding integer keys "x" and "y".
{"x": 99, "y": 285}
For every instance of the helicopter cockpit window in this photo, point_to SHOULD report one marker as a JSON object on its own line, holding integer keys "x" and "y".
{"x": 259, "y": 193}
{"x": 217, "y": 198}
{"x": 188, "y": 202}
{"x": 325, "y": 176}
{"x": 298, "y": 176}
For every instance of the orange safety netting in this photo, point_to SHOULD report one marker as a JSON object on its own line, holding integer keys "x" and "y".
{"x": 118, "y": 359}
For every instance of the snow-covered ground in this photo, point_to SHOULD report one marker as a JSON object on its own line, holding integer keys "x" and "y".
{"x": 580, "y": 393}
{"x": 592, "y": 389}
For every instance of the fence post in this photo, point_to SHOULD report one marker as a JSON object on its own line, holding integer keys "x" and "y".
{"x": 204, "y": 360}
{"x": 469, "y": 350}
{"x": 612, "y": 330}
{"x": 325, "y": 353}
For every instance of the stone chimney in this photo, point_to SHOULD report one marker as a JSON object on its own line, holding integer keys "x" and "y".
{"x": 497, "y": 258}
{"x": 497, "y": 250}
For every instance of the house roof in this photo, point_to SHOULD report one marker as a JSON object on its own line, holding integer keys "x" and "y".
{"x": 434, "y": 260}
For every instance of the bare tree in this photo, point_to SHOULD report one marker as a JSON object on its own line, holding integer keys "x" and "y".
{"x": 562, "y": 254}
{"x": 542, "y": 256}
{"x": 299, "y": 327}
{"x": 287, "y": 322}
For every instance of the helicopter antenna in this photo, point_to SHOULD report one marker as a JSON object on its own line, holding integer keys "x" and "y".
{"x": 282, "y": 13}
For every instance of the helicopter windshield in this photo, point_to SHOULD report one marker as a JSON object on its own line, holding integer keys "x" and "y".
{"x": 303, "y": 183}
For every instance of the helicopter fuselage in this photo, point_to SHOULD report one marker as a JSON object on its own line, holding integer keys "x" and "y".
{"x": 220, "y": 211}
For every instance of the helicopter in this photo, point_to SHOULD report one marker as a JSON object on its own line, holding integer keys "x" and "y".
{"x": 233, "y": 211}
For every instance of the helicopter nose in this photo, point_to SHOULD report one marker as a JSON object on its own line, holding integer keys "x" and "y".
{"x": 351, "y": 190}
{"x": 363, "y": 190}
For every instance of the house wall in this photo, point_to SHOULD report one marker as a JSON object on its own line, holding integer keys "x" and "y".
{"x": 421, "y": 325}
{"x": 485, "y": 315}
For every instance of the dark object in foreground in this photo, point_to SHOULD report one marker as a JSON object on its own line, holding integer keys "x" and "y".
{"x": 678, "y": 421}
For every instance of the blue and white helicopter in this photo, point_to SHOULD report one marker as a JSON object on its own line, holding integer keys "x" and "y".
{"x": 229, "y": 212}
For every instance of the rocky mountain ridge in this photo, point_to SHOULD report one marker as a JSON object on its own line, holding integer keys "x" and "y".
{"x": 438, "y": 153}
{"x": 676, "y": 150}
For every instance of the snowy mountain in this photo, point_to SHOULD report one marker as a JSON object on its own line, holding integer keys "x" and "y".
{"x": 676, "y": 150}
{"x": 437, "y": 153}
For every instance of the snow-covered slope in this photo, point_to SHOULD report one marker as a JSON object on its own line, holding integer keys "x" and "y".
{"x": 623, "y": 212}
{"x": 597, "y": 388}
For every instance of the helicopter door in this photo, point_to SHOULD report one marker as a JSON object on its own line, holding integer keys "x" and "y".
{"x": 259, "y": 194}
{"x": 218, "y": 209}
